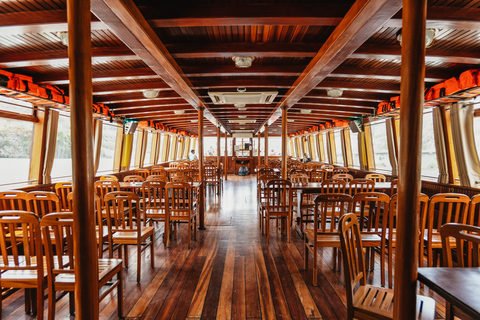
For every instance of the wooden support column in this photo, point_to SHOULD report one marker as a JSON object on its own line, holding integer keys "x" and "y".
{"x": 226, "y": 156}
{"x": 258, "y": 149}
{"x": 284, "y": 142}
{"x": 201, "y": 169}
{"x": 218, "y": 148}
{"x": 265, "y": 134}
{"x": 411, "y": 119}
{"x": 81, "y": 112}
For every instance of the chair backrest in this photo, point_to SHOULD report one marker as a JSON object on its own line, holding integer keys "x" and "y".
{"x": 108, "y": 177}
{"x": 318, "y": 175}
{"x": 21, "y": 228}
{"x": 123, "y": 210}
{"x": 299, "y": 178}
{"x": 467, "y": 240}
{"x": 265, "y": 170}
{"x": 182, "y": 179}
{"x": 133, "y": 178}
{"x": 393, "y": 187}
{"x": 279, "y": 195}
{"x": 102, "y": 187}
{"x": 296, "y": 170}
{"x": 211, "y": 173}
{"x": 344, "y": 176}
{"x": 368, "y": 206}
{"x": 183, "y": 165}
{"x": 377, "y": 177}
{"x": 189, "y": 173}
{"x": 158, "y": 171}
{"x": 153, "y": 196}
{"x": 333, "y": 186}
{"x": 42, "y": 202}
{"x": 179, "y": 198}
{"x": 339, "y": 170}
{"x": 171, "y": 173}
{"x": 13, "y": 200}
{"x": 328, "y": 208}
{"x": 352, "y": 254}
{"x": 446, "y": 208}
{"x": 326, "y": 167}
{"x": 57, "y": 231}
{"x": 142, "y": 172}
{"x": 62, "y": 189}
{"x": 361, "y": 185}
{"x": 156, "y": 177}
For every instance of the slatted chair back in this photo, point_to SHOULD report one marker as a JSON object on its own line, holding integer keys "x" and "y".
{"x": 299, "y": 178}
{"x": 102, "y": 187}
{"x": 316, "y": 165}
{"x": 377, "y": 177}
{"x": 262, "y": 185}
{"x": 173, "y": 173}
{"x": 474, "y": 211}
{"x": 318, "y": 175}
{"x": 183, "y": 165}
{"x": 265, "y": 170}
{"x": 133, "y": 178}
{"x": 158, "y": 171}
{"x": 179, "y": 202}
{"x": 108, "y": 177}
{"x": 62, "y": 189}
{"x": 142, "y": 172}
{"x": 328, "y": 209}
{"x": 338, "y": 170}
{"x": 296, "y": 170}
{"x": 154, "y": 200}
{"x": 22, "y": 264}
{"x": 371, "y": 207}
{"x": 344, "y": 176}
{"x": 393, "y": 187}
{"x": 189, "y": 173}
{"x": 13, "y": 200}
{"x": 173, "y": 164}
{"x": 123, "y": 211}
{"x": 157, "y": 177}
{"x": 182, "y": 179}
{"x": 279, "y": 195}
{"x": 333, "y": 186}
{"x": 327, "y": 167}
{"x": 361, "y": 185}
{"x": 467, "y": 241}
{"x": 42, "y": 203}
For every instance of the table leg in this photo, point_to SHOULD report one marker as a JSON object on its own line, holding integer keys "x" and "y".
{"x": 201, "y": 206}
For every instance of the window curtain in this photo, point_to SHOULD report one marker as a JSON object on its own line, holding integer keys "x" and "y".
{"x": 329, "y": 148}
{"x": 362, "y": 151}
{"x": 392, "y": 152}
{"x": 321, "y": 150}
{"x": 440, "y": 147}
{"x": 464, "y": 144}
{"x": 98, "y": 127}
{"x": 52, "y": 128}
{"x": 347, "y": 148}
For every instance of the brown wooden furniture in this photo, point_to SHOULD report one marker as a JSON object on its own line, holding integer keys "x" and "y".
{"x": 328, "y": 209}
{"x": 108, "y": 177}
{"x": 22, "y": 264}
{"x": 212, "y": 177}
{"x": 157, "y": 177}
{"x": 318, "y": 175}
{"x": 102, "y": 187}
{"x": 142, "y": 172}
{"x": 124, "y": 219}
{"x": 377, "y": 177}
{"x": 57, "y": 231}
{"x": 42, "y": 202}
{"x": 366, "y": 301}
{"x": 13, "y": 200}
{"x": 133, "y": 178}
{"x": 361, "y": 185}
{"x": 154, "y": 206}
{"x": 278, "y": 204}
{"x": 343, "y": 176}
{"x": 339, "y": 170}
{"x": 62, "y": 189}
{"x": 442, "y": 208}
{"x": 333, "y": 186}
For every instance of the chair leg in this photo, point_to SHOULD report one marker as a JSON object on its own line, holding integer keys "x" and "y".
{"x": 71, "y": 302}
{"x": 288, "y": 226}
{"x": 267, "y": 226}
{"x": 125, "y": 248}
{"x": 335, "y": 253}
{"x": 51, "y": 303}
{"x": 120, "y": 294}
{"x": 152, "y": 252}
{"x": 315, "y": 253}
{"x": 189, "y": 234}
{"x": 139, "y": 260}
{"x": 305, "y": 253}
{"x": 28, "y": 300}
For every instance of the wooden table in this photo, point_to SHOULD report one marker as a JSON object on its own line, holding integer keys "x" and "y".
{"x": 459, "y": 286}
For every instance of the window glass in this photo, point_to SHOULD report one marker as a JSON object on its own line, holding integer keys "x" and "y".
{"x": 134, "y": 150}
{"x": 355, "y": 153}
{"x": 148, "y": 149}
{"x": 62, "y": 164}
{"x": 325, "y": 146}
{"x": 476, "y": 132}
{"x": 242, "y": 147}
{"x": 262, "y": 147}
{"x": 429, "y": 156}
{"x": 338, "y": 147}
{"x": 275, "y": 146}
{"x": 171, "y": 153}
{"x": 179, "y": 149}
{"x": 14, "y": 105}
{"x": 210, "y": 146}
{"x": 15, "y": 148}
{"x": 107, "y": 152}
{"x": 160, "y": 147}
{"x": 380, "y": 148}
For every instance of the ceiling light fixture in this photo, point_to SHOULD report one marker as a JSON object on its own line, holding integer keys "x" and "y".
{"x": 242, "y": 109}
{"x": 242, "y": 117}
{"x": 239, "y": 105}
{"x": 429, "y": 37}
{"x": 180, "y": 111}
{"x": 243, "y": 62}
{"x": 151, "y": 94}
{"x": 306, "y": 111}
{"x": 290, "y": 120}
{"x": 334, "y": 93}
{"x": 194, "y": 120}
{"x": 63, "y": 37}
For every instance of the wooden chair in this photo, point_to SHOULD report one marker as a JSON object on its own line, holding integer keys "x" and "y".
{"x": 372, "y": 209}
{"x": 466, "y": 250}
{"x": 366, "y": 302}
{"x": 278, "y": 204}
{"x": 142, "y": 172}
{"x": 158, "y": 171}
{"x": 22, "y": 265}
{"x": 344, "y": 176}
{"x": 266, "y": 170}
{"x": 62, "y": 189}
{"x": 124, "y": 219}
{"x": 157, "y": 178}
{"x": 108, "y": 177}
{"x": 212, "y": 177}
{"x": 443, "y": 208}
{"x": 377, "y": 177}
{"x": 393, "y": 187}
{"x": 361, "y": 185}
{"x": 262, "y": 196}
{"x": 154, "y": 206}
{"x": 318, "y": 175}
{"x": 42, "y": 203}
{"x": 328, "y": 209}
{"x": 296, "y": 170}
{"x": 326, "y": 167}
{"x": 333, "y": 186}
{"x": 57, "y": 231}
{"x": 133, "y": 178}
{"x": 189, "y": 173}
{"x": 13, "y": 200}
{"x": 172, "y": 173}
{"x": 102, "y": 187}
{"x": 182, "y": 179}
{"x": 181, "y": 208}
{"x": 339, "y": 170}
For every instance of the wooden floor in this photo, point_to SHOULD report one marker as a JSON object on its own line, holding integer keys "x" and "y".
{"x": 231, "y": 273}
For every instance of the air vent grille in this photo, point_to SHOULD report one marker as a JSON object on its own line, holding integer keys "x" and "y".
{"x": 243, "y": 97}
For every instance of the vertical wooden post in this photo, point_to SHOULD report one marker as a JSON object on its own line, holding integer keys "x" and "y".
{"x": 258, "y": 150}
{"x": 284, "y": 143}
{"x": 265, "y": 133}
{"x": 201, "y": 169}
{"x": 85, "y": 242}
{"x": 226, "y": 156}
{"x": 218, "y": 148}
{"x": 411, "y": 117}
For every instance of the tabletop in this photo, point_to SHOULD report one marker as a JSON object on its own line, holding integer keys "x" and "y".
{"x": 459, "y": 286}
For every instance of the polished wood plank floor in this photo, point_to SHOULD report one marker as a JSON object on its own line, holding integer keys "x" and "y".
{"x": 231, "y": 273}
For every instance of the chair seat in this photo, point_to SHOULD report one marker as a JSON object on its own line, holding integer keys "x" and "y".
{"x": 437, "y": 240}
{"x": 130, "y": 237}
{"x": 332, "y": 239}
{"x": 106, "y": 267}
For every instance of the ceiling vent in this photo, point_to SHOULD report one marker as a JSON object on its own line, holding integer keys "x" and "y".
{"x": 242, "y": 121}
{"x": 242, "y": 134}
{"x": 243, "y": 97}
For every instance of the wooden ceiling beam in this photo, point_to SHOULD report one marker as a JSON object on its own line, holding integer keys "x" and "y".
{"x": 205, "y": 15}
{"x": 137, "y": 96}
{"x": 338, "y": 103}
{"x": 102, "y": 75}
{"x": 143, "y": 110}
{"x": 125, "y": 20}
{"x": 351, "y": 96}
{"x": 161, "y": 103}
{"x": 389, "y": 88}
{"x": 108, "y": 89}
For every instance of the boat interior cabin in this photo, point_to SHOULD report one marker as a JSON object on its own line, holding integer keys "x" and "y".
{"x": 237, "y": 159}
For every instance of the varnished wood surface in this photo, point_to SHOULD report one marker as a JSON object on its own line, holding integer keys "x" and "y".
{"x": 231, "y": 272}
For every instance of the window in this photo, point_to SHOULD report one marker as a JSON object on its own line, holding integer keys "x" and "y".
{"x": 476, "y": 132}
{"x": 210, "y": 146}
{"x": 355, "y": 153}
{"x": 275, "y": 146}
{"x": 325, "y": 147}
{"x": 62, "y": 164}
{"x": 107, "y": 152}
{"x": 380, "y": 148}
{"x": 338, "y": 147}
{"x": 134, "y": 150}
{"x": 429, "y": 156}
{"x": 160, "y": 146}
{"x": 15, "y": 145}
{"x": 148, "y": 149}
{"x": 242, "y": 147}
